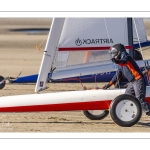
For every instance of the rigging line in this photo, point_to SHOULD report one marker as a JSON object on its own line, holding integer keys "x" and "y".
{"x": 30, "y": 59}
{"x": 125, "y": 32}
{"x": 138, "y": 37}
{"x": 81, "y": 82}
{"x": 38, "y": 47}
{"x": 110, "y": 54}
{"x": 95, "y": 81}
{"x": 42, "y": 42}
{"x": 107, "y": 31}
{"x": 26, "y": 64}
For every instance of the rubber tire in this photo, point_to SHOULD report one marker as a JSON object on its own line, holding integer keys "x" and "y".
{"x": 137, "y": 55}
{"x": 96, "y": 117}
{"x": 3, "y": 84}
{"x": 114, "y": 104}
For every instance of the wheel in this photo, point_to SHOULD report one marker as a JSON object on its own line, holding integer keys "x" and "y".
{"x": 96, "y": 114}
{"x": 137, "y": 55}
{"x": 2, "y": 85}
{"x": 125, "y": 110}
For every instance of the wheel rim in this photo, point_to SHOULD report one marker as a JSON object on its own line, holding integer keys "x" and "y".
{"x": 96, "y": 112}
{"x": 126, "y": 110}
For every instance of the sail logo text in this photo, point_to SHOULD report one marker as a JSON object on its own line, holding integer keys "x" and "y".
{"x": 80, "y": 42}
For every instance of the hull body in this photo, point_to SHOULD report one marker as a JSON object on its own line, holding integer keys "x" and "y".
{"x": 62, "y": 101}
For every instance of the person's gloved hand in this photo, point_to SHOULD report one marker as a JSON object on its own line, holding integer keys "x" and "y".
{"x": 115, "y": 60}
{"x": 145, "y": 72}
{"x": 106, "y": 86}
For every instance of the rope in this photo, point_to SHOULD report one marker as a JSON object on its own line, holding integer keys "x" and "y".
{"x": 26, "y": 64}
{"x": 107, "y": 31}
{"x": 37, "y": 48}
{"x": 110, "y": 47}
{"x": 81, "y": 82}
{"x": 148, "y": 74}
{"x": 138, "y": 37}
{"x": 95, "y": 81}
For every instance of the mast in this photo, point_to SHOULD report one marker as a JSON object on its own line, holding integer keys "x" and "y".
{"x": 130, "y": 35}
{"x": 48, "y": 56}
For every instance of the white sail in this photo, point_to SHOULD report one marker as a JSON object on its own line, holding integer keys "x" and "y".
{"x": 85, "y": 40}
{"x": 79, "y": 43}
{"x": 91, "y": 32}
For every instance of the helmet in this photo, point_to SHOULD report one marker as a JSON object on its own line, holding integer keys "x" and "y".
{"x": 116, "y": 50}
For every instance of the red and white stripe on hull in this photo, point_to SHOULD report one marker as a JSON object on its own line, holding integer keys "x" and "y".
{"x": 62, "y": 101}
{"x": 92, "y": 105}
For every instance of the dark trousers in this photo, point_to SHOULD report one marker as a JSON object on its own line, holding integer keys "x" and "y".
{"x": 138, "y": 89}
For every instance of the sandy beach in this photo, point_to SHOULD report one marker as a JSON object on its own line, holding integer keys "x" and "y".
{"x": 18, "y": 55}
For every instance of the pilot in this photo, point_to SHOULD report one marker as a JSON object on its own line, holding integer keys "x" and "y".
{"x": 128, "y": 68}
